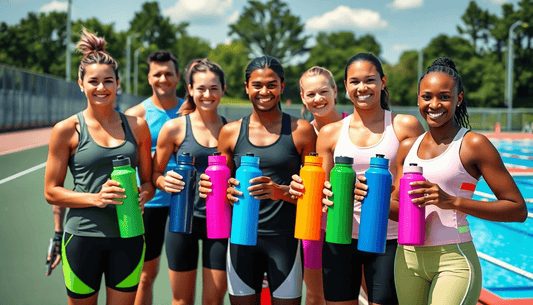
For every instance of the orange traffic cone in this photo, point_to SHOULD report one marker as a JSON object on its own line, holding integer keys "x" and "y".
{"x": 265, "y": 293}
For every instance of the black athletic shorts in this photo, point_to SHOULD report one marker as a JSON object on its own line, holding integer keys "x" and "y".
{"x": 155, "y": 221}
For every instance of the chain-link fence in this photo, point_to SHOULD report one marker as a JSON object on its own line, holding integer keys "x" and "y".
{"x": 29, "y": 100}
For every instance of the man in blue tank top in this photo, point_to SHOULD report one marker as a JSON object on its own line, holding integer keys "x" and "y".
{"x": 162, "y": 106}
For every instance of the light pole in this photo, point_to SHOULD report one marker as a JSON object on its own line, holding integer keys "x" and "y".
{"x": 67, "y": 66}
{"x": 128, "y": 61}
{"x": 510, "y": 62}
{"x": 136, "y": 69}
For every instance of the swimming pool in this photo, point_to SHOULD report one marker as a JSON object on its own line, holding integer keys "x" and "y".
{"x": 506, "y": 249}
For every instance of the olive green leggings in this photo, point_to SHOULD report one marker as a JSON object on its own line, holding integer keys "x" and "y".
{"x": 439, "y": 275}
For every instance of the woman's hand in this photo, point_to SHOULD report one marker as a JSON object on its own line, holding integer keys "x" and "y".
{"x": 204, "y": 186}
{"x": 328, "y": 193}
{"x": 110, "y": 191}
{"x": 264, "y": 188}
{"x": 231, "y": 192}
{"x": 173, "y": 182}
{"x": 431, "y": 193}
{"x": 296, "y": 188}
{"x": 361, "y": 189}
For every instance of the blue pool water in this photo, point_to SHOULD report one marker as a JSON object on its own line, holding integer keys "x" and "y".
{"x": 511, "y": 243}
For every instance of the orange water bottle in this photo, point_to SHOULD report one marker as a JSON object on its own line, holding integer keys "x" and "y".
{"x": 309, "y": 207}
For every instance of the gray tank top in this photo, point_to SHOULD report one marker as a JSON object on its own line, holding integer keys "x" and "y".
{"x": 200, "y": 154}
{"x": 91, "y": 165}
{"x": 279, "y": 161}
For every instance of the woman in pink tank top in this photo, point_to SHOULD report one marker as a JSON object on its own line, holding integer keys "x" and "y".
{"x": 446, "y": 269}
{"x": 342, "y": 264}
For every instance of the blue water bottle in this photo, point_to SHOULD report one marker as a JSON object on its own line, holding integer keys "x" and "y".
{"x": 375, "y": 208}
{"x": 181, "y": 203}
{"x": 246, "y": 209}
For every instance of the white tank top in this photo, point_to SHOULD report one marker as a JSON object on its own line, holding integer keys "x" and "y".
{"x": 444, "y": 227}
{"x": 387, "y": 145}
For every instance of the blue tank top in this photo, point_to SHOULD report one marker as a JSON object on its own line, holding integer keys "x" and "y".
{"x": 156, "y": 118}
{"x": 200, "y": 154}
{"x": 91, "y": 165}
{"x": 279, "y": 161}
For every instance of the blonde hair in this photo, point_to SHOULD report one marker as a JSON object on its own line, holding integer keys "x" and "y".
{"x": 93, "y": 49}
{"x": 316, "y": 70}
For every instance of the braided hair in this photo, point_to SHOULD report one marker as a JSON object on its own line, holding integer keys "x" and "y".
{"x": 93, "y": 49}
{"x": 447, "y": 66}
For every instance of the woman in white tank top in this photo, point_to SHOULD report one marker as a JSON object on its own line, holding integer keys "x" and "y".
{"x": 371, "y": 129}
{"x": 446, "y": 269}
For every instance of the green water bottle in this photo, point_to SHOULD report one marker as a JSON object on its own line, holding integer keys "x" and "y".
{"x": 129, "y": 214}
{"x": 340, "y": 214}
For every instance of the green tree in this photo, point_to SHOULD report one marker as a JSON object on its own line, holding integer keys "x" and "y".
{"x": 477, "y": 22}
{"x": 270, "y": 29}
{"x": 402, "y": 82}
{"x": 233, "y": 58}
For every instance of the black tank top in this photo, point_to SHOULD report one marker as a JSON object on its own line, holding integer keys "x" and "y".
{"x": 91, "y": 165}
{"x": 279, "y": 161}
{"x": 200, "y": 154}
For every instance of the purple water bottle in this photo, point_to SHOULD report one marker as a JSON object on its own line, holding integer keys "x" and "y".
{"x": 217, "y": 209}
{"x": 411, "y": 218}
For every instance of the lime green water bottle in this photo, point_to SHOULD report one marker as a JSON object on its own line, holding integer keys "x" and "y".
{"x": 129, "y": 214}
{"x": 340, "y": 214}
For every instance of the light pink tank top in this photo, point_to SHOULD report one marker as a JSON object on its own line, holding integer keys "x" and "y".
{"x": 444, "y": 227}
{"x": 387, "y": 145}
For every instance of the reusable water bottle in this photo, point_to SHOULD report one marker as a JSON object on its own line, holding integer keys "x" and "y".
{"x": 340, "y": 214}
{"x": 411, "y": 218}
{"x": 217, "y": 209}
{"x": 129, "y": 214}
{"x": 376, "y": 206}
{"x": 181, "y": 203}
{"x": 246, "y": 210}
{"x": 309, "y": 207}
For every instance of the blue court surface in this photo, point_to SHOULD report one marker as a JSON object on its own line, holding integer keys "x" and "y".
{"x": 506, "y": 249}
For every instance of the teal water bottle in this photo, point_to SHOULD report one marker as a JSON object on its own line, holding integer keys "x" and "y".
{"x": 181, "y": 203}
{"x": 376, "y": 206}
{"x": 129, "y": 214}
{"x": 340, "y": 214}
{"x": 244, "y": 222}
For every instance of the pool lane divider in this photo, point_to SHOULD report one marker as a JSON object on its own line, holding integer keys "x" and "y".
{"x": 505, "y": 265}
{"x": 22, "y": 173}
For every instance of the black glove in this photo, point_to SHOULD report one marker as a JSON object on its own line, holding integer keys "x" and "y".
{"x": 54, "y": 249}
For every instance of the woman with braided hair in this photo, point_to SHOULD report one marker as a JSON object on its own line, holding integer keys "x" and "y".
{"x": 446, "y": 269}
{"x": 86, "y": 143}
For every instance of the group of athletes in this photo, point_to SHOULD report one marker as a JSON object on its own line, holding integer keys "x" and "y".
{"x": 445, "y": 270}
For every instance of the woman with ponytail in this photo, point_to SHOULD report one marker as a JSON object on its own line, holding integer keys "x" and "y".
{"x": 195, "y": 132}
{"x": 446, "y": 269}
{"x": 86, "y": 143}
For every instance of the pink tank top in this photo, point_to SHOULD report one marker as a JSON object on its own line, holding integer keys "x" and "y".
{"x": 387, "y": 145}
{"x": 444, "y": 227}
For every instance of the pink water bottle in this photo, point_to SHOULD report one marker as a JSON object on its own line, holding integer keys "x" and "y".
{"x": 217, "y": 209}
{"x": 412, "y": 218}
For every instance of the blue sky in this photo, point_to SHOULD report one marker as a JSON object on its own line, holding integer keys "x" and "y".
{"x": 398, "y": 25}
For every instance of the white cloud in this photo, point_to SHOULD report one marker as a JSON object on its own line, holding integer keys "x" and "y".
{"x": 185, "y": 10}
{"x": 495, "y": 2}
{"x": 233, "y": 17}
{"x": 345, "y": 18}
{"x": 54, "y": 6}
{"x": 400, "y": 47}
{"x": 406, "y": 4}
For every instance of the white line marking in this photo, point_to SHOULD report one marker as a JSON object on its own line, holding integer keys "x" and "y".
{"x": 29, "y": 170}
{"x": 484, "y": 195}
{"x": 505, "y": 265}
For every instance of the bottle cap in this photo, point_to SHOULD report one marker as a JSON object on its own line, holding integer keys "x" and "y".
{"x": 412, "y": 168}
{"x": 314, "y": 154}
{"x": 250, "y": 154}
{"x": 250, "y": 159}
{"x": 379, "y": 160}
{"x": 185, "y": 158}
{"x": 216, "y": 158}
{"x": 217, "y": 153}
{"x": 121, "y": 161}
{"x": 344, "y": 160}
{"x": 313, "y": 158}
